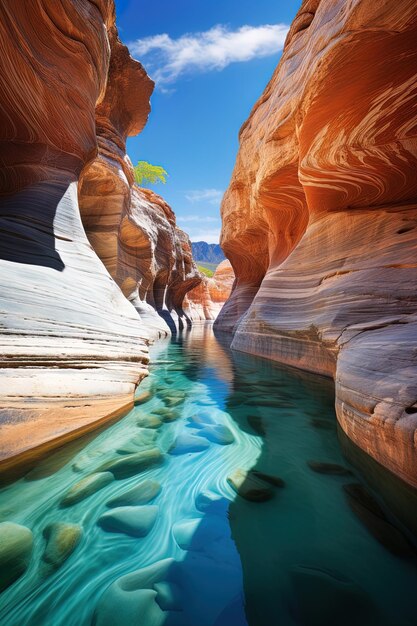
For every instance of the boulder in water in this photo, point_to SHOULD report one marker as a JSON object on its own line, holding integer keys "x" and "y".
{"x": 148, "y": 421}
{"x": 256, "y": 423}
{"x": 145, "y": 396}
{"x": 276, "y": 481}
{"x": 167, "y": 414}
{"x": 16, "y": 544}
{"x": 214, "y": 503}
{"x": 131, "y": 599}
{"x": 249, "y": 486}
{"x": 328, "y": 468}
{"x": 133, "y": 463}
{"x": 136, "y": 521}
{"x": 218, "y": 434}
{"x": 186, "y": 443}
{"x": 86, "y": 487}
{"x": 142, "y": 493}
{"x": 62, "y": 539}
{"x": 169, "y": 596}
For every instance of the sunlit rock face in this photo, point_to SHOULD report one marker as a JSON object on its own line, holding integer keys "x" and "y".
{"x": 72, "y": 347}
{"x": 133, "y": 230}
{"x": 104, "y": 189}
{"x": 206, "y": 301}
{"x": 155, "y": 267}
{"x": 319, "y": 221}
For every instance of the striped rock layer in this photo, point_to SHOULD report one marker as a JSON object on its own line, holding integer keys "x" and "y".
{"x": 72, "y": 346}
{"x": 206, "y": 300}
{"x": 320, "y": 218}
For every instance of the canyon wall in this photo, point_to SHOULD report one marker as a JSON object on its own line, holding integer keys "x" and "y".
{"x": 320, "y": 218}
{"x": 207, "y": 300}
{"x": 155, "y": 266}
{"x": 72, "y": 346}
{"x": 133, "y": 230}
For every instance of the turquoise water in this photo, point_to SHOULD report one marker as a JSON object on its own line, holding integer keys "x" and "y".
{"x": 309, "y": 555}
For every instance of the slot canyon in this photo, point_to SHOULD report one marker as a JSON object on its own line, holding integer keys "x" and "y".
{"x": 208, "y": 374}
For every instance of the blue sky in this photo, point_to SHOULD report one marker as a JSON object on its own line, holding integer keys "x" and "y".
{"x": 211, "y": 60}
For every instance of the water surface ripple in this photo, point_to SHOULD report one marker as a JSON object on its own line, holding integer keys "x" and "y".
{"x": 311, "y": 555}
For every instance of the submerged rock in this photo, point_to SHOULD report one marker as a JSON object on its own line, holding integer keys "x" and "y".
{"x": 130, "y": 448}
{"x": 142, "y": 398}
{"x": 322, "y": 424}
{"x": 170, "y": 392}
{"x": 276, "y": 481}
{"x": 148, "y": 421}
{"x": 328, "y": 468}
{"x": 62, "y": 539}
{"x": 186, "y": 443}
{"x": 325, "y": 598}
{"x": 172, "y": 401}
{"x": 144, "y": 437}
{"x": 132, "y": 599}
{"x": 144, "y": 440}
{"x": 218, "y": 434}
{"x": 16, "y": 544}
{"x": 196, "y": 534}
{"x": 214, "y": 503}
{"x": 249, "y": 486}
{"x": 136, "y": 521}
{"x": 86, "y": 487}
{"x": 142, "y": 493}
{"x": 367, "y": 509}
{"x": 256, "y": 423}
{"x": 169, "y": 596}
{"x": 201, "y": 420}
{"x": 133, "y": 463}
{"x": 167, "y": 414}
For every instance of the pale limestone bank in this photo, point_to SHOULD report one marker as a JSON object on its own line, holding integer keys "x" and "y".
{"x": 319, "y": 221}
{"x": 72, "y": 347}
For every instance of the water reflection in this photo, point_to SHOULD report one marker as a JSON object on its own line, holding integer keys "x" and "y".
{"x": 225, "y": 422}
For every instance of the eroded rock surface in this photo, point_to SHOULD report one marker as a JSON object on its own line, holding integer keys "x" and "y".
{"x": 70, "y": 341}
{"x": 73, "y": 348}
{"x": 320, "y": 218}
{"x": 155, "y": 265}
{"x": 205, "y": 301}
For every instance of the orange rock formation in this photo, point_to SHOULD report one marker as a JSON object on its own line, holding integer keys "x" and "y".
{"x": 206, "y": 301}
{"x": 72, "y": 347}
{"x": 320, "y": 218}
{"x": 155, "y": 267}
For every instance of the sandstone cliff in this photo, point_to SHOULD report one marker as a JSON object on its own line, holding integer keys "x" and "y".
{"x": 320, "y": 218}
{"x": 72, "y": 347}
{"x": 133, "y": 230}
{"x": 206, "y": 301}
{"x": 155, "y": 266}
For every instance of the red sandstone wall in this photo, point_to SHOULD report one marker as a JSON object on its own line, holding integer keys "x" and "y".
{"x": 320, "y": 218}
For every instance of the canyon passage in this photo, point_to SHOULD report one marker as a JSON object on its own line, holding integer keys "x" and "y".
{"x": 208, "y": 396}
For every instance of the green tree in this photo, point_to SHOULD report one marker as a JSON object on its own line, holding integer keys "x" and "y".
{"x": 147, "y": 173}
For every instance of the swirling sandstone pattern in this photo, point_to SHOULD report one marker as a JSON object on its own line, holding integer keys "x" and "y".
{"x": 206, "y": 301}
{"x": 319, "y": 221}
{"x": 72, "y": 348}
{"x": 104, "y": 189}
{"x": 133, "y": 230}
{"x": 155, "y": 265}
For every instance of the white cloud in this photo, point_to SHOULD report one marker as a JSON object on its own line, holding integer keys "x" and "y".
{"x": 197, "y": 218}
{"x": 212, "y": 196}
{"x": 214, "y": 49}
{"x": 211, "y": 235}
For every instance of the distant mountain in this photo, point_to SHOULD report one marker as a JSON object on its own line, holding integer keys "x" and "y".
{"x": 207, "y": 252}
